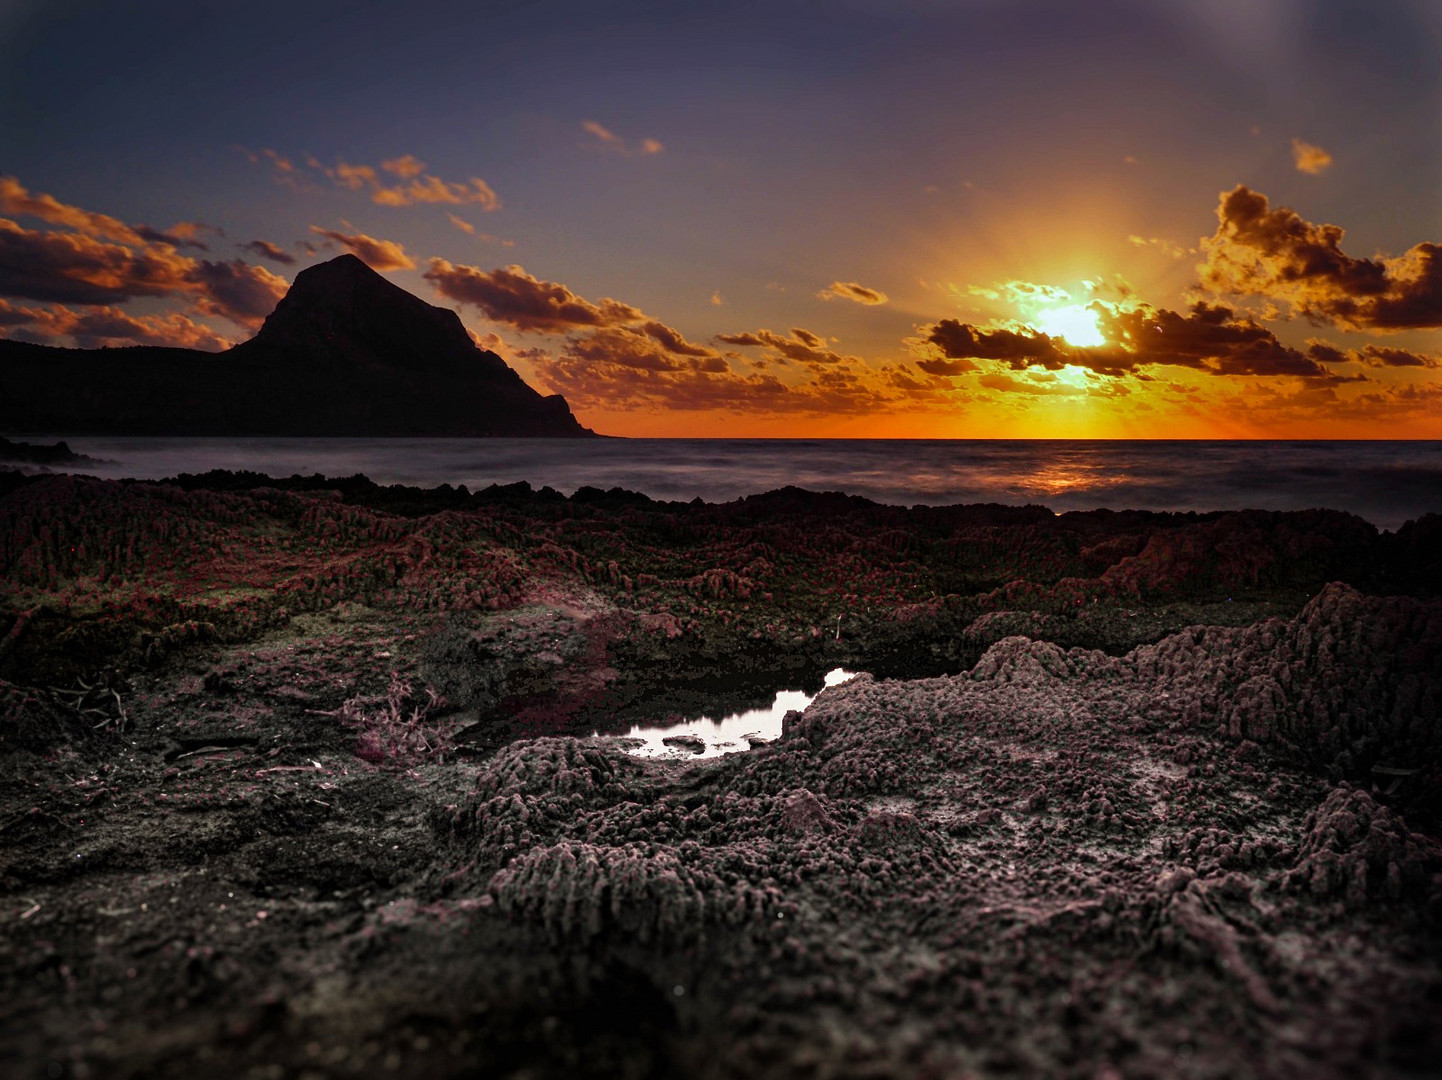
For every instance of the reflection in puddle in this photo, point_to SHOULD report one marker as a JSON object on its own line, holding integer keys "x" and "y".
{"x": 707, "y": 736}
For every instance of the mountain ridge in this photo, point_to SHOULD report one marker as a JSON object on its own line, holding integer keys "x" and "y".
{"x": 344, "y": 353}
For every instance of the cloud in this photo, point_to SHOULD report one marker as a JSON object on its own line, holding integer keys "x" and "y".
{"x": 948, "y": 368}
{"x": 273, "y": 252}
{"x": 642, "y": 349}
{"x": 283, "y": 170}
{"x": 103, "y": 261}
{"x": 78, "y": 268}
{"x": 111, "y": 326}
{"x": 803, "y": 347}
{"x": 717, "y": 299}
{"x": 1278, "y": 255}
{"x": 379, "y": 255}
{"x": 17, "y": 200}
{"x": 607, "y": 139}
{"x": 851, "y": 290}
{"x": 462, "y": 224}
{"x": 1006, "y": 384}
{"x": 71, "y": 268}
{"x": 1021, "y": 292}
{"x": 414, "y": 184}
{"x": 605, "y": 135}
{"x": 236, "y": 290}
{"x": 963, "y": 341}
{"x": 432, "y": 189}
{"x": 1310, "y": 159}
{"x": 1210, "y": 338}
{"x": 613, "y": 369}
{"x": 405, "y": 166}
{"x": 672, "y": 340}
{"x": 1176, "y": 251}
{"x": 512, "y": 296}
{"x": 1376, "y": 356}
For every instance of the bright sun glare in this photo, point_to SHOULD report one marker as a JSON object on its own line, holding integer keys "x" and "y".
{"x": 1075, "y": 323}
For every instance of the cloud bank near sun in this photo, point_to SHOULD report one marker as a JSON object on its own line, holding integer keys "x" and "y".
{"x": 1094, "y": 354}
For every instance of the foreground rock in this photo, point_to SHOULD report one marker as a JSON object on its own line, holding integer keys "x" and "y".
{"x": 272, "y": 810}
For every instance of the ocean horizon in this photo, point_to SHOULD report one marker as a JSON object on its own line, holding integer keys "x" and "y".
{"x": 1385, "y": 482}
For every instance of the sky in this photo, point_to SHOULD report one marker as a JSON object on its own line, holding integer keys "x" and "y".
{"x": 835, "y": 218}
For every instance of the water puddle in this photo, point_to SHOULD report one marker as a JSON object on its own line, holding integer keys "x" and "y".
{"x": 706, "y": 737}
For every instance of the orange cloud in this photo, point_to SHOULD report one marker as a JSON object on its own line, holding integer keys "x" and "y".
{"x": 1279, "y": 256}
{"x": 1310, "y": 159}
{"x": 462, "y": 224}
{"x": 851, "y": 290}
{"x": 514, "y": 297}
{"x": 111, "y": 326}
{"x": 1007, "y": 384}
{"x": 599, "y": 371}
{"x": 432, "y": 189}
{"x": 78, "y": 269}
{"x": 17, "y": 200}
{"x": 415, "y": 184}
{"x": 405, "y": 166}
{"x": 607, "y": 139}
{"x": 379, "y": 255}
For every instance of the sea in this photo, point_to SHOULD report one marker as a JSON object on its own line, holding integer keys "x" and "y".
{"x": 1385, "y": 482}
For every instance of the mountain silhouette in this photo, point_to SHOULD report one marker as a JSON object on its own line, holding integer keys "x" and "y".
{"x": 345, "y": 352}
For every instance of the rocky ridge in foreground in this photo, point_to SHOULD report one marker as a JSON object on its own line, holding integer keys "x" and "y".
{"x": 267, "y": 847}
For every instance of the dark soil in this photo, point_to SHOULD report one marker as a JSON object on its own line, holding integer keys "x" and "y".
{"x": 296, "y": 780}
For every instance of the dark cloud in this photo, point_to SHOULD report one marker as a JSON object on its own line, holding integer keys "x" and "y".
{"x": 673, "y": 342}
{"x": 623, "y": 347}
{"x": 514, "y": 297}
{"x": 110, "y": 326}
{"x": 273, "y": 252}
{"x": 80, "y": 269}
{"x": 1278, "y": 255}
{"x": 180, "y": 236}
{"x": 946, "y": 367}
{"x": 84, "y": 267}
{"x": 963, "y": 341}
{"x": 1211, "y": 338}
{"x": 1381, "y": 356}
{"x": 854, "y": 291}
{"x": 379, "y": 255}
{"x": 236, "y": 290}
{"x": 805, "y": 347}
{"x": 1372, "y": 356}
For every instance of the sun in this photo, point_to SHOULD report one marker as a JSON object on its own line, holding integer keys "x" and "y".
{"x": 1075, "y": 323}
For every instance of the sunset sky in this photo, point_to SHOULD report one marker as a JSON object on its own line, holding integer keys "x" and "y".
{"x": 892, "y": 218}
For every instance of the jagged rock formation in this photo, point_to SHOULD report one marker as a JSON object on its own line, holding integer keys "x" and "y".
{"x": 344, "y": 353}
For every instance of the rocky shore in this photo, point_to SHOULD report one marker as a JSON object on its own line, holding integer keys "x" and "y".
{"x": 298, "y": 778}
